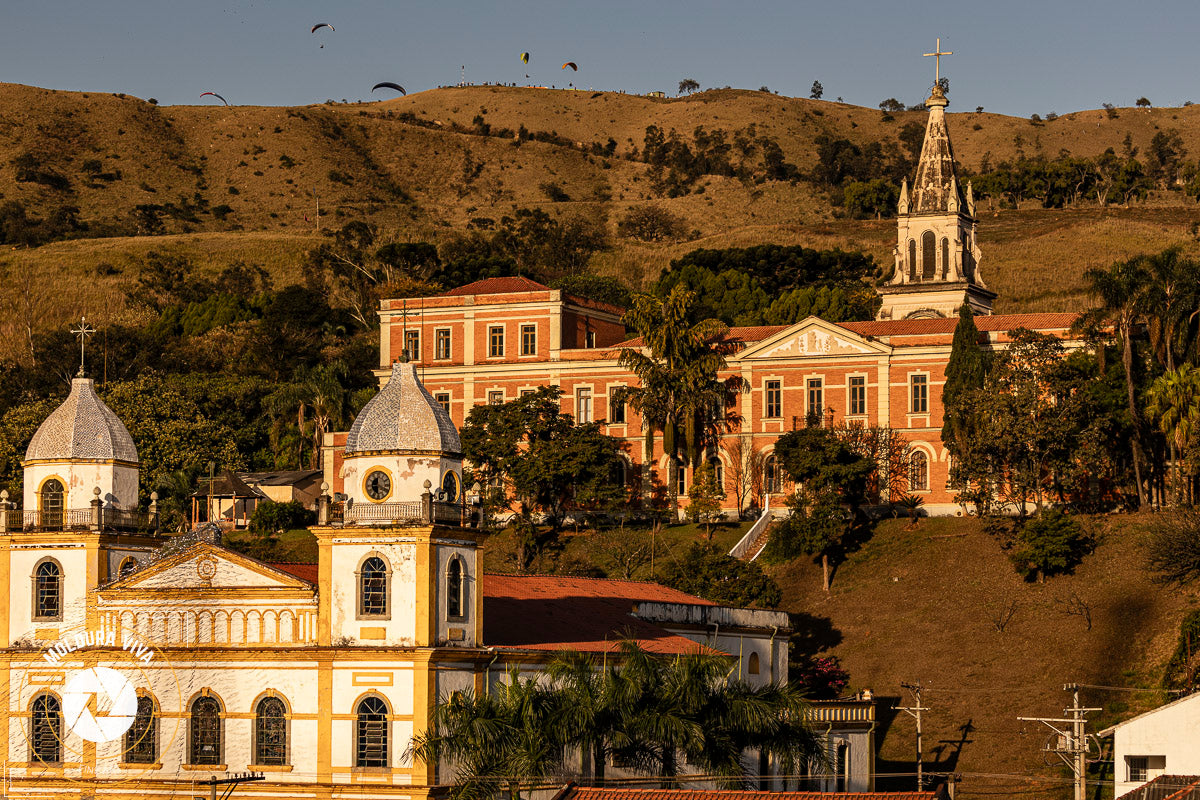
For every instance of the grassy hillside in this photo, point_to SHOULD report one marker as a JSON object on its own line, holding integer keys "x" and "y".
{"x": 927, "y": 605}
{"x": 244, "y": 182}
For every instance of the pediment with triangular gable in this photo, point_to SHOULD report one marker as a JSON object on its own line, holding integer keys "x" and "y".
{"x": 208, "y": 566}
{"x": 812, "y": 337}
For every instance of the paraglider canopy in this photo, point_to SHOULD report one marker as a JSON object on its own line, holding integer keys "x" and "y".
{"x": 214, "y": 94}
{"x": 390, "y": 85}
{"x": 321, "y": 25}
{"x": 574, "y": 67}
{"x": 524, "y": 58}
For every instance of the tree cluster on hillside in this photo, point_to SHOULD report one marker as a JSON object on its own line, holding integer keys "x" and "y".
{"x": 773, "y": 284}
{"x": 676, "y": 164}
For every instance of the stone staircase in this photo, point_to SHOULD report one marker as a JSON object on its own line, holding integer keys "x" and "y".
{"x": 752, "y": 544}
{"x": 759, "y": 544}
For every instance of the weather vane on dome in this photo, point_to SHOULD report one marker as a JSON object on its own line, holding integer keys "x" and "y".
{"x": 937, "y": 62}
{"x": 82, "y": 333}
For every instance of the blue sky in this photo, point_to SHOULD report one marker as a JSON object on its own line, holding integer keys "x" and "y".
{"x": 1011, "y": 56}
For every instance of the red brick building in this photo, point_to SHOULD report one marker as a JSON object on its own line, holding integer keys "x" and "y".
{"x": 492, "y": 340}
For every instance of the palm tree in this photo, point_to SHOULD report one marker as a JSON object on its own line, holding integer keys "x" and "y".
{"x": 1171, "y": 301}
{"x": 677, "y": 376}
{"x": 1174, "y": 400}
{"x": 1122, "y": 290}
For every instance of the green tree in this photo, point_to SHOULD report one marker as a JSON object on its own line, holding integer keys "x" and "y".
{"x": 1122, "y": 290}
{"x": 677, "y": 376}
{"x": 816, "y": 91}
{"x": 1173, "y": 547}
{"x": 687, "y": 86}
{"x": 1173, "y": 400}
{"x": 875, "y": 198}
{"x": 815, "y": 527}
{"x": 705, "y": 497}
{"x": 1049, "y": 544}
{"x": 966, "y": 372}
{"x": 817, "y": 458}
{"x": 271, "y": 517}
{"x": 709, "y": 572}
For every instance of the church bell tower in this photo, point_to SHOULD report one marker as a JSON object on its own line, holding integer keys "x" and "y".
{"x": 937, "y": 255}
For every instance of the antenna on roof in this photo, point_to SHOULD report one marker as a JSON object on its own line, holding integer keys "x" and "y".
{"x": 82, "y": 333}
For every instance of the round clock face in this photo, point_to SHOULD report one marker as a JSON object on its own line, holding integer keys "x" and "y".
{"x": 379, "y": 485}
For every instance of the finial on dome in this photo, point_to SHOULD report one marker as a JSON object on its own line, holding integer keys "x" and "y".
{"x": 82, "y": 333}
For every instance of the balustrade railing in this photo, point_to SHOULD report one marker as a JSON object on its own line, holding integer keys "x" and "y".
{"x": 78, "y": 519}
{"x": 413, "y": 512}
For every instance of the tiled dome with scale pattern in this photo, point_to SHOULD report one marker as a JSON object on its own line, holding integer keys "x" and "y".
{"x": 403, "y": 417}
{"x": 82, "y": 429}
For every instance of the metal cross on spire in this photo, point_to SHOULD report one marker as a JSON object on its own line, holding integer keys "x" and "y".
{"x": 937, "y": 62}
{"x": 82, "y": 333}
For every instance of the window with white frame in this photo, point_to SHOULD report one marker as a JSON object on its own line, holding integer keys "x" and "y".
{"x": 858, "y": 396}
{"x": 918, "y": 471}
{"x": 918, "y": 394}
{"x": 616, "y": 407}
{"x": 412, "y": 344}
{"x": 583, "y": 405}
{"x": 816, "y": 399}
{"x": 529, "y": 340}
{"x": 496, "y": 398}
{"x": 589, "y": 339}
{"x": 1137, "y": 767}
{"x": 443, "y": 399}
{"x": 496, "y": 341}
{"x": 441, "y": 344}
{"x": 773, "y": 406}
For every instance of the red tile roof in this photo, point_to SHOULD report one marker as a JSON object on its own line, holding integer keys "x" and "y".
{"x": 497, "y": 286}
{"x": 622, "y": 793}
{"x": 987, "y": 322}
{"x": 751, "y": 333}
{"x": 1167, "y": 787}
{"x": 551, "y": 612}
{"x": 305, "y": 572}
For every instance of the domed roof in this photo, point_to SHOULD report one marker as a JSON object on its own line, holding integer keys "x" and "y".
{"x": 82, "y": 429}
{"x": 403, "y": 416}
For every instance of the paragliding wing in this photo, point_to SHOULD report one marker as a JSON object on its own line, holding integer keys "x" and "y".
{"x": 574, "y": 67}
{"x": 524, "y": 58}
{"x": 321, "y": 25}
{"x": 214, "y": 94}
{"x": 390, "y": 85}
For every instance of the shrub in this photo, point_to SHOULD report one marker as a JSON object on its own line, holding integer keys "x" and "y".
{"x": 820, "y": 678}
{"x": 222, "y": 211}
{"x": 272, "y": 517}
{"x": 651, "y": 224}
{"x": 555, "y": 192}
{"x": 1049, "y": 544}
{"x": 1173, "y": 549}
{"x": 1182, "y": 671}
{"x": 709, "y": 572}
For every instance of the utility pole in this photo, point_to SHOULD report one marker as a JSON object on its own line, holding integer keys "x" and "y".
{"x": 232, "y": 782}
{"x": 914, "y": 711}
{"x": 1069, "y": 745}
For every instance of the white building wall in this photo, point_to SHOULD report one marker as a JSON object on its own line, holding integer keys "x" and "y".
{"x": 118, "y": 483}
{"x": 23, "y": 559}
{"x": 1168, "y": 736}
{"x": 399, "y": 624}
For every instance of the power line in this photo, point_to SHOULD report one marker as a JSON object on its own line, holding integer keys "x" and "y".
{"x": 914, "y": 711}
{"x": 1070, "y": 746}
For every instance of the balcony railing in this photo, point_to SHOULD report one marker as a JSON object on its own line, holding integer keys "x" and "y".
{"x": 415, "y": 512}
{"x": 78, "y": 519}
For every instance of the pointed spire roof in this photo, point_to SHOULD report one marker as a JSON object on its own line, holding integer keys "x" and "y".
{"x": 404, "y": 416}
{"x": 935, "y": 186}
{"x": 83, "y": 428}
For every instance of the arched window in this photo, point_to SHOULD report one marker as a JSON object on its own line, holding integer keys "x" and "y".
{"x": 945, "y": 258}
{"x": 928, "y": 256}
{"x": 918, "y": 471}
{"x": 718, "y": 471}
{"x": 128, "y": 566}
{"x": 47, "y": 590}
{"x": 450, "y": 487}
{"x": 772, "y": 476}
{"x": 45, "y": 730}
{"x": 681, "y": 474}
{"x": 204, "y": 731}
{"x": 270, "y": 732}
{"x": 620, "y": 473}
{"x": 141, "y": 740}
{"x": 456, "y": 588}
{"x": 842, "y": 766}
{"x": 371, "y": 733}
{"x": 372, "y": 588}
{"x": 912, "y": 259}
{"x": 752, "y": 666}
{"x": 50, "y": 504}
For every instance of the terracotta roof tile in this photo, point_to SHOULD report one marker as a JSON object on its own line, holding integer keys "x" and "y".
{"x": 1167, "y": 787}
{"x": 622, "y": 793}
{"x": 751, "y": 333}
{"x": 497, "y": 286}
{"x": 992, "y": 322}
{"x": 305, "y": 572}
{"x": 551, "y": 612}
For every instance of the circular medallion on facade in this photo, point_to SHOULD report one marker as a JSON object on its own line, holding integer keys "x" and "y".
{"x": 206, "y": 568}
{"x": 378, "y": 485}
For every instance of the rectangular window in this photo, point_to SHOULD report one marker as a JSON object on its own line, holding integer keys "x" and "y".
{"x": 495, "y": 398}
{"x": 583, "y": 405}
{"x": 774, "y": 404}
{"x": 443, "y": 399}
{"x": 412, "y": 345}
{"x": 529, "y": 340}
{"x": 816, "y": 399}
{"x": 616, "y": 409}
{"x": 858, "y": 396}
{"x": 527, "y": 392}
{"x": 496, "y": 341}
{"x": 442, "y": 343}
{"x": 920, "y": 394}
{"x": 589, "y": 339}
{"x": 1137, "y": 768}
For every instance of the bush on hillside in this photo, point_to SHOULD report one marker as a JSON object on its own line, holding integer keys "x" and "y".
{"x": 1173, "y": 549}
{"x": 1051, "y": 543}
{"x": 272, "y": 517}
{"x": 1183, "y": 670}
{"x": 651, "y": 224}
{"x": 709, "y": 572}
